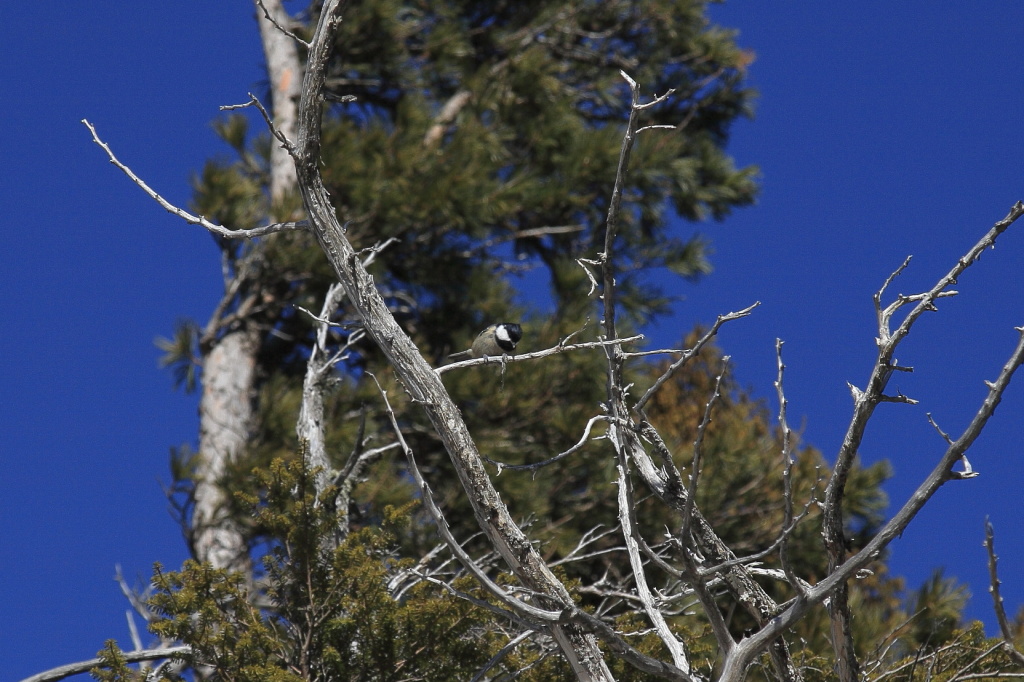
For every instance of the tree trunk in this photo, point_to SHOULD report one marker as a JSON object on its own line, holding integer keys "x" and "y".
{"x": 419, "y": 379}
{"x": 225, "y": 420}
{"x": 227, "y": 406}
{"x": 285, "y": 73}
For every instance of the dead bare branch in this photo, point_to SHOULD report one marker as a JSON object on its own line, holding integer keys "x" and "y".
{"x": 310, "y": 425}
{"x": 560, "y": 456}
{"x": 865, "y": 403}
{"x": 698, "y": 451}
{"x": 941, "y": 474}
{"x": 692, "y": 352}
{"x": 502, "y": 653}
{"x": 997, "y": 599}
{"x": 185, "y": 215}
{"x": 631, "y": 534}
{"x": 255, "y": 102}
{"x": 70, "y": 669}
{"x": 279, "y": 27}
{"x": 787, "y": 474}
{"x": 536, "y": 355}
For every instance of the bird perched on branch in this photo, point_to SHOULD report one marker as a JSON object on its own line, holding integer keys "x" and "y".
{"x": 495, "y": 341}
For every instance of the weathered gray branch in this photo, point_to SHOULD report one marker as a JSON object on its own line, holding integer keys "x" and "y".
{"x": 536, "y": 355}
{"x": 631, "y": 535}
{"x": 997, "y": 599}
{"x": 666, "y": 482}
{"x": 788, "y": 522}
{"x": 70, "y": 669}
{"x": 865, "y": 403}
{"x": 419, "y": 379}
{"x": 690, "y": 353}
{"x": 617, "y": 390}
{"x": 185, "y": 215}
{"x": 310, "y": 425}
{"x": 942, "y": 473}
{"x": 551, "y": 460}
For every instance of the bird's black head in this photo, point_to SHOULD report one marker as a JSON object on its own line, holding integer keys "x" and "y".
{"x": 515, "y": 332}
{"x": 508, "y": 334}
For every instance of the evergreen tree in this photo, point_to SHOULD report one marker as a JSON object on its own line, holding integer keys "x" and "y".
{"x": 480, "y": 138}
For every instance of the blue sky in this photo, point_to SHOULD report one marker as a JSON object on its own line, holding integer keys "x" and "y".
{"x": 883, "y": 129}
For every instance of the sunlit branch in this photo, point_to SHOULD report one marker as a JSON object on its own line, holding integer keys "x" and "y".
{"x": 997, "y": 599}
{"x": 690, "y": 353}
{"x": 281, "y": 28}
{"x": 536, "y": 355}
{"x": 81, "y": 667}
{"x": 185, "y": 215}
{"x": 787, "y": 473}
{"x": 631, "y": 534}
{"x": 865, "y": 402}
{"x": 255, "y": 102}
{"x": 562, "y": 455}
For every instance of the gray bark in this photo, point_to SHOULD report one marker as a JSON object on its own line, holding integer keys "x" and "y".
{"x": 227, "y": 407}
{"x": 419, "y": 379}
{"x": 225, "y": 420}
{"x": 285, "y": 72}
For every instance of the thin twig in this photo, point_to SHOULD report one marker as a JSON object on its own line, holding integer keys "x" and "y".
{"x": 787, "y": 474}
{"x": 255, "y": 102}
{"x": 560, "y": 456}
{"x": 588, "y": 538}
{"x": 962, "y": 672}
{"x": 281, "y": 28}
{"x": 185, "y": 215}
{"x": 554, "y": 350}
{"x": 698, "y": 452}
{"x": 689, "y": 354}
{"x": 997, "y": 599}
{"x": 767, "y": 551}
{"x": 505, "y": 651}
{"x": 482, "y": 603}
{"x": 70, "y": 669}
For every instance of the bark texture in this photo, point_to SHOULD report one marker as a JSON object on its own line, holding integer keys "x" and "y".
{"x": 227, "y": 407}
{"x": 285, "y": 72}
{"x": 419, "y": 379}
{"x": 225, "y": 420}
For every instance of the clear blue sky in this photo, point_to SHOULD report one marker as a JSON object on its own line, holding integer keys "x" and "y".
{"x": 883, "y": 129}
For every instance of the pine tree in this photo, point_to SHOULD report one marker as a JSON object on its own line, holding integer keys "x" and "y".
{"x": 483, "y": 153}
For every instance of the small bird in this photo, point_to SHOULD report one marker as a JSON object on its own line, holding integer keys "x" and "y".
{"x": 496, "y": 340}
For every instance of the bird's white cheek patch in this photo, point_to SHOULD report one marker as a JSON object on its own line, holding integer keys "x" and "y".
{"x": 502, "y": 335}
